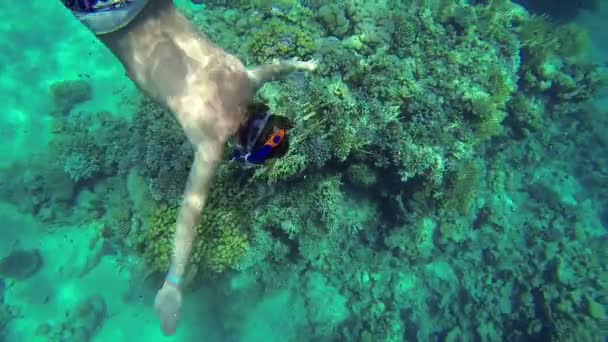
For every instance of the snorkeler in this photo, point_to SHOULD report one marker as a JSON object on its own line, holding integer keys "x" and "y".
{"x": 207, "y": 89}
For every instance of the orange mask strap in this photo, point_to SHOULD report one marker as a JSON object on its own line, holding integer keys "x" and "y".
{"x": 276, "y": 138}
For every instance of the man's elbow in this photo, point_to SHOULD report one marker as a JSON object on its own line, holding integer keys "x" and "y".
{"x": 254, "y": 79}
{"x": 194, "y": 202}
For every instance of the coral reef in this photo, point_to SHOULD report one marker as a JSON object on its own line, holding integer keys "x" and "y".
{"x": 444, "y": 178}
{"x": 80, "y": 145}
{"x": 43, "y": 189}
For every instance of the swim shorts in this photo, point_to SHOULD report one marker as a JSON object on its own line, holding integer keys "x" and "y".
{"x": 105, "y": 16}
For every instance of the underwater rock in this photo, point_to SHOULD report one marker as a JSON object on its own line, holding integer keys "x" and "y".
{"x": 90, "y": 315}
{"x": 595, "y": 309}
{"x": 604, "y": 218}
{"x": 89, "y": 258}
{"x": 326, "y": 305}
{"x": 563, "y": 9}
{"x": 5, "y": 317}
{"x": 21, "y": 264}
{"x": 67, "y": 94}
{"x": 80, "y": 324}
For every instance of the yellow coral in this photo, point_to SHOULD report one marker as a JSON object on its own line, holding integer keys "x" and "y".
{"x": 219, "y": 244}
{"x": 156, "y": 241}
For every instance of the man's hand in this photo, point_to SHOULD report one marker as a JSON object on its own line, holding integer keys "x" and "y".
{"x": 309, "y": 65}
{"x": 276, "y": 69}
{"x": 168, "y": 303}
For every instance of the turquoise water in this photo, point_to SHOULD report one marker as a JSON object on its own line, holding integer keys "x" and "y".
{"x": 446, "y": 179}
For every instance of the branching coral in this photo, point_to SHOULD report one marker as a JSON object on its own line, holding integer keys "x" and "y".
{"x": 487, "y": 116}
{"x": 80, "y": 167}
{"x": 526, "y": 114}
{"x": 420, "y": 160}
{"x": 543, "y": 39}
{"x": 89, "y": 145}
{"x": 329, "y": 198}
{"x": 84, "y": 148}
{"x": 77, "y": 149}
{"x": 160, "y": 148}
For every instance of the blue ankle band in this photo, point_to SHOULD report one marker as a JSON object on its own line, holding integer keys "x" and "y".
{"x": 172, "y": 279}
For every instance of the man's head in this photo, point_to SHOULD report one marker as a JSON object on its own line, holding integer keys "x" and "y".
{"x": 264, "y": 136}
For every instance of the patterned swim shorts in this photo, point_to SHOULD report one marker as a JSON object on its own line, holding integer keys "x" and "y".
{"x": 105, "y": 16}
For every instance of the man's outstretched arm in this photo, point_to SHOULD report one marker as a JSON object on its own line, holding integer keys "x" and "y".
{"x": 168, "y": 300}
{"x": 270, "y": 72}
{"x": 207, "y": 156}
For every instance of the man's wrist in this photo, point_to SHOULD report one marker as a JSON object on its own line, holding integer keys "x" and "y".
{"x": 173, "y": 278}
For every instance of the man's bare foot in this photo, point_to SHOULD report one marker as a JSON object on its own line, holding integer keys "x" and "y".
{"x": 168, "y": 303}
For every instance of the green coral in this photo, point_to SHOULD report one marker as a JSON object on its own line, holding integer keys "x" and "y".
{"x": 334, "y": 19}
{"x": 362, "y": 174}
{"x": 487, "y": 117}
{"x": 404, "y": 35}
{"x": 288, "y": 167}
{"x": 526, "y": 113}
{"x": 280, "y": 39}
{"x": 551, "y": 54}
{"x": 463, "y": 187}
